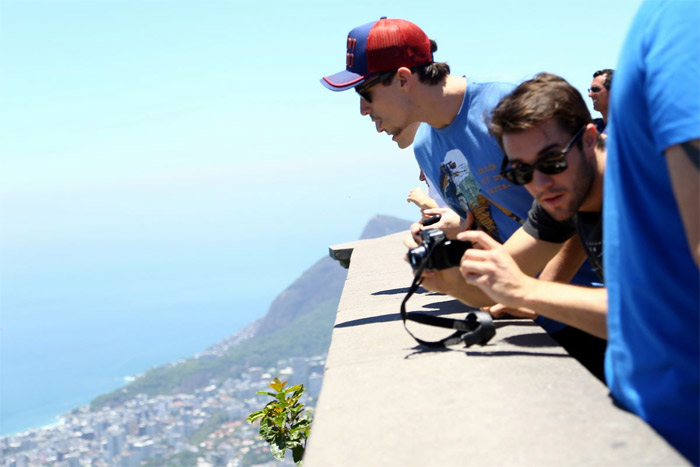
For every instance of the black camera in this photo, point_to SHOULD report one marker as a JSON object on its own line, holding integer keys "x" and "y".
{"x": 436, "y": 251}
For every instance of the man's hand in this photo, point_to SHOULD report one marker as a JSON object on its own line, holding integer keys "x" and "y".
{"x": 418, "y": 197}
{"x": 488, "y": 266}
{"x": 447, "y": 281}
{"x": 449, "y": 222}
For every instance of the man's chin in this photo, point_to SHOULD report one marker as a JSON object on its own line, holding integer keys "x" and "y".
{"x": 401, "y": 141}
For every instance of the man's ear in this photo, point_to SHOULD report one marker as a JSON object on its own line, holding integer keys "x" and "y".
{"x": 404, "y": 76}
{"x": 590, "y": 136}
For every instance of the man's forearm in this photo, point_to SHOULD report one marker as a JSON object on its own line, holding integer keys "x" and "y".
{"x": 472, "y": 296}
{"x": 585, "y": 308}
{"x": 564, "y": 266}
{"x": 451, "y": 282}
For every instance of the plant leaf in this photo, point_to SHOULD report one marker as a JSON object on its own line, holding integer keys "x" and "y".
{"x": 277, "y": 385}
{"x": 297, "y": 454}
{"x": 255, "y": 415}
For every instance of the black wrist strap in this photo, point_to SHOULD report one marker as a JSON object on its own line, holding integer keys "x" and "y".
{"x": 476, "y": 328}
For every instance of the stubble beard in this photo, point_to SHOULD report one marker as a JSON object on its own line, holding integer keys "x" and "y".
{"x": 582, "y": 186}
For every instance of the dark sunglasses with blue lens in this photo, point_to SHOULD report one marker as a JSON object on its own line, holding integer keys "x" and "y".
{"x": 550, "y": 165}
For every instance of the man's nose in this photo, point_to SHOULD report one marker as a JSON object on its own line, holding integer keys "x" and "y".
{"x": 540, "y": 180}
{"x": 365, "y": 107}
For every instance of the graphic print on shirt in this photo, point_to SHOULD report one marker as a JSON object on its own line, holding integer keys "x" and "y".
{"x": 460, "y": 188}
{"x": 590, "y": 231}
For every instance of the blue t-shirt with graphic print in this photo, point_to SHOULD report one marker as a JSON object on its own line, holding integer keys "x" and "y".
{"x": 462, "y": 160}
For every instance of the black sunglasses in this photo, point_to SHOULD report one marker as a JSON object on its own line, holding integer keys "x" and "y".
{"x": 595, "y": 89}
{"x": 551, "y": 165}
{"x": 364, "y": 89}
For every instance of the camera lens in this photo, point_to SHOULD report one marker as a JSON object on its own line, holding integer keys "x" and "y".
{"x": 417, "y": 255}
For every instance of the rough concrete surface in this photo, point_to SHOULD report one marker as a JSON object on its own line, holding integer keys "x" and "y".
{"x": 520, "y": 400}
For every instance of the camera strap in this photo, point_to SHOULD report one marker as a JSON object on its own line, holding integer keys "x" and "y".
{"x": 476, "y": 328}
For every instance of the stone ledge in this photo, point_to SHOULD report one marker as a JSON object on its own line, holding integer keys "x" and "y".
{"x": 520, "y": 400}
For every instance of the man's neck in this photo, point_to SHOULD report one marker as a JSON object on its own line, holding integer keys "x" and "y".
{"x": 440, "y": 104}
{"x": 594, "y": 200}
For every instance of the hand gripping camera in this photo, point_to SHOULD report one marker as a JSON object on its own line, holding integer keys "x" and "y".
{"x": 436, "y": 251}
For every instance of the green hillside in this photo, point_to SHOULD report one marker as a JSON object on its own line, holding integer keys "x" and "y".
{"x": 307, "y": 335}
{"x": 299, "y": 323}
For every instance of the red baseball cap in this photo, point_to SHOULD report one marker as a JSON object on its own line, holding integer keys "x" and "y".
{"x": 382, "y": 45}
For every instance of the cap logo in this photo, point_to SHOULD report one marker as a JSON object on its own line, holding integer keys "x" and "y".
{"x": 350, "y": 57}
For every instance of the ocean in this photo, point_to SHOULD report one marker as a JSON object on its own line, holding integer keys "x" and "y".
{"x": 53, "y": 359}
{"x": 100, "y": 282}
{"x": 95, "y": 288}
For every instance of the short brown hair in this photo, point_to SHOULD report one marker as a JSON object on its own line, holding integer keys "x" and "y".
{"x": 543, "y": 97}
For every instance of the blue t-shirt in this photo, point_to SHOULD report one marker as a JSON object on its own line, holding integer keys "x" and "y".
{"x": 463, "y": 161}
{"x": 653, "y": 352}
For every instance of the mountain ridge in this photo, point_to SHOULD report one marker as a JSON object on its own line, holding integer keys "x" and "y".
{"x": 299, "y": 323}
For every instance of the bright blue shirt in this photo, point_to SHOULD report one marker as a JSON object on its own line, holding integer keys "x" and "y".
{"x": 653, "y": 351}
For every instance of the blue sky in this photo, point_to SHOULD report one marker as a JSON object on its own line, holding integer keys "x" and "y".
{"x": 173, "y": 152}
{"x": 185, "y": 121}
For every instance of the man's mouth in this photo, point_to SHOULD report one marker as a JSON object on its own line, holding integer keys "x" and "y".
{"x": 551, "y": 199}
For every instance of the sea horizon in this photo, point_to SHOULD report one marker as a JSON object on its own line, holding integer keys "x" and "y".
{"x": 39, "y": 387}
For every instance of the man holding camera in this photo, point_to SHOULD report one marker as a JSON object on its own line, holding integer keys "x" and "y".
{"x": 555, "y": 151}
{"x": 390, "y": 64}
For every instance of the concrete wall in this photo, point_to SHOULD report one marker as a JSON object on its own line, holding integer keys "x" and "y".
{"x": 520, "y": 400}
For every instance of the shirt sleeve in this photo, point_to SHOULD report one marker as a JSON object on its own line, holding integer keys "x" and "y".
{"x": 544, "y": 227}
{"x": 672, "y": 61}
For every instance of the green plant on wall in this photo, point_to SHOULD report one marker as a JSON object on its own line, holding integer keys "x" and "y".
{"x": 282, "y": 424}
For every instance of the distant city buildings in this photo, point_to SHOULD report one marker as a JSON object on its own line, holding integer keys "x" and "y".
{"x": 149, "y": 431}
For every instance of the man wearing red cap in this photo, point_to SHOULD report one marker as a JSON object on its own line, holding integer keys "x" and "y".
{"x": 390, "y": 64}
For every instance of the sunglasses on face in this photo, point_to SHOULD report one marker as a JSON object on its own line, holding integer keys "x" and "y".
{"x": 552, "y": 164}
{"x": 364, "y": 89}
{"x": 595, "y": 89}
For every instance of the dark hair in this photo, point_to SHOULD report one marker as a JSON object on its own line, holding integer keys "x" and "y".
{"x": 543, "y": 97}
{"x": 432, "y": 73}
{"x": 608, "y": 76}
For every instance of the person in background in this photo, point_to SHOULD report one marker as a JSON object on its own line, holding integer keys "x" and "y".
{"x": 432, "y": 199}
{"x": 422, "y": 199}
{"x": 651, "y": 217}
{"x": 599, "y": 92}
